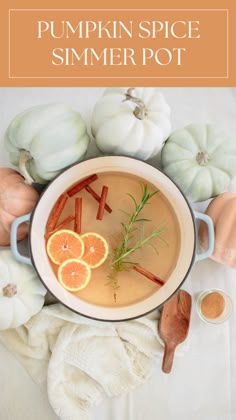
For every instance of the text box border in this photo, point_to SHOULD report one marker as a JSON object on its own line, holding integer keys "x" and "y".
{"x": 119, "y": 77}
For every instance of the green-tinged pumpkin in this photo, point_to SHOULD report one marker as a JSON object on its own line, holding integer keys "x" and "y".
{"x": 21, "y": 292}
{"x": 201, "y": 160}
{"x": 133, "y": 122}
{"x": 44, "y": 140}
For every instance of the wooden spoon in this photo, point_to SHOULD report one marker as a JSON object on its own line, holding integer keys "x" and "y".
{"x": 174, "y": 325}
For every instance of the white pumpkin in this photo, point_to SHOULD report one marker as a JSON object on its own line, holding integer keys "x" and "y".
{"x": 44, "y": 140}
{"x": 131, "y": 122}
{"x": 200, "y": 159}
{"x": 21, "y": 292}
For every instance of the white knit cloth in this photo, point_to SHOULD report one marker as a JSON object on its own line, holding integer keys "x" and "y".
{"x": 81, "y": 360}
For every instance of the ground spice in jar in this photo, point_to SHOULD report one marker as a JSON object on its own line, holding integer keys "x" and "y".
{"x": 213, "y": 305}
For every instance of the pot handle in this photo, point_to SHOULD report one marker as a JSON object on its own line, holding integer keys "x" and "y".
{"x": 14, "y": 248}
{"x": 211, "y": 236}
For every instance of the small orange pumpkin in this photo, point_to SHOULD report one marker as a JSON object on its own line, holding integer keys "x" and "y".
{"x": 16, "y": 199}
{"x": 222, "y": 210}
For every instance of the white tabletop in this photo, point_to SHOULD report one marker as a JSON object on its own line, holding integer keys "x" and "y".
{"x": 202, "y": 383}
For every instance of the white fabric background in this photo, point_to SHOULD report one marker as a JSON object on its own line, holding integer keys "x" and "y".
{"x": 202, "y": 384}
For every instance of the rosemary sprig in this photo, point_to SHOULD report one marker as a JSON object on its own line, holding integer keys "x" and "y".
{"x": 119, "y": 261}
{"x": 128, "y": 229}
{"x": 138, "y": 245}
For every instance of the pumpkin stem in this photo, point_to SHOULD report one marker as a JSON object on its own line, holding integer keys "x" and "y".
{"x": 25, "y": 157}
{"x": 9, "y": 290}
{"x": 140, "y": 110}
{"x": 202, "y": 158}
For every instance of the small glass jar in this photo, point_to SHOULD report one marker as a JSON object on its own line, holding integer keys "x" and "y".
{"x": 214, "y": 306}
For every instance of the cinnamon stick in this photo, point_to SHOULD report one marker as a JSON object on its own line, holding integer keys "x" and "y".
{"x": 78, "y": 214}
{"x": 97, "y": 198}
{"x": 149, "y": 275}
{"x": 81, "y": 185}
{"x": 56, "y": 212}
{"x": 65, "y": 222}
{"x": 102, "y": 203}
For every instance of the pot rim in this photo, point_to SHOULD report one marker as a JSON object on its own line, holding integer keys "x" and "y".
{"x": 107, "y": 319}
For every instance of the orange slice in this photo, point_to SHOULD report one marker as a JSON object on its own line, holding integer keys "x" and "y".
{"x": 74, "y": 274}
{"x": 95, "y": 249}
{"x": 64, "y": 244}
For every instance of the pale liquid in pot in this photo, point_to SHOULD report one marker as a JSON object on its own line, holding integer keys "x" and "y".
{"x": 134, "y": 287}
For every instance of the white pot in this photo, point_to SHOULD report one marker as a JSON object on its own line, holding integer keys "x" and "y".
{"x": 184, "y": 214}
